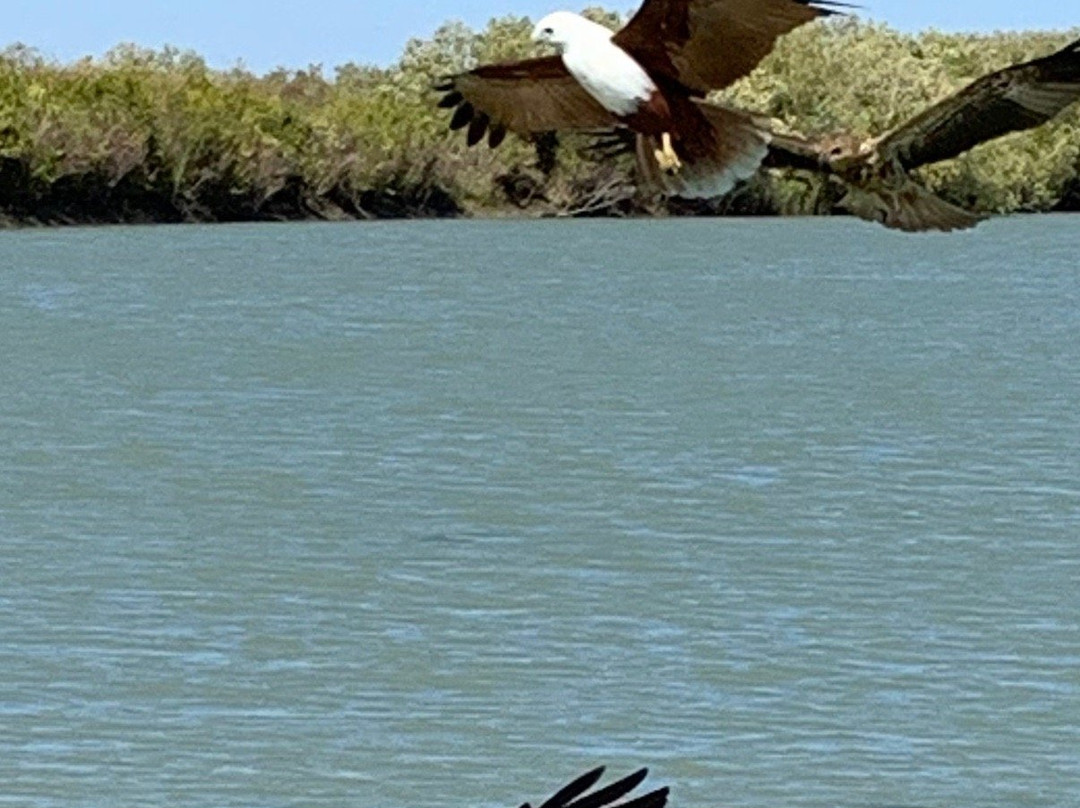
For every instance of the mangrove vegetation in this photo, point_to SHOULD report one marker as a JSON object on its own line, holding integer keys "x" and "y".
{"x": 143, "y": 135}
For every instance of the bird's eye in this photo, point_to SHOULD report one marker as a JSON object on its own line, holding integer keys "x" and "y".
{"x": 549, "y": 31}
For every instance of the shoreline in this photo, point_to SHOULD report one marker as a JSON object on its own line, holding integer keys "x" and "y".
{"x": 92, "y": 199}
{"x": 127, "y": 217}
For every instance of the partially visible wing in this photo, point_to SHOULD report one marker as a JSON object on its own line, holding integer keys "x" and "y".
{"x": 535, "y": 95}
{"x": 708, "y": 44}
{"x": 573, "y": 795}
{"x": 906, "y": 205}
{"x": 1019, "y": 97}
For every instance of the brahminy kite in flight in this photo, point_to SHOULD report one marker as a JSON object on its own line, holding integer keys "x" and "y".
{"x": 652, "y": 76}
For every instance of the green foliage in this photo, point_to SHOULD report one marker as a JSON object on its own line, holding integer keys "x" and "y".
{"x": 143, "y": 134}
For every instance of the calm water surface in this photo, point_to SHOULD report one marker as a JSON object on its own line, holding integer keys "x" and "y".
{"x": 433, "y": 515}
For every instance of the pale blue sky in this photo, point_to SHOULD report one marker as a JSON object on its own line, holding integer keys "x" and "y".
{"x": 268, "y": 33}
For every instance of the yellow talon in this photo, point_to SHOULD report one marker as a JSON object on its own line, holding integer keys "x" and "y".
{"x": 666, "y": 157}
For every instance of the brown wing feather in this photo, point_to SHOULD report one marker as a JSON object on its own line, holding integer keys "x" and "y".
{"x": 535, "y": 95}
{"x": 708, "y": 44}
{"x": 1019, "y": 97}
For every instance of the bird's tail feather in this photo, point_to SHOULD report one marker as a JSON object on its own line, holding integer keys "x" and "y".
{"x": 731, "y": 151}
{"x": 911, "y": 208}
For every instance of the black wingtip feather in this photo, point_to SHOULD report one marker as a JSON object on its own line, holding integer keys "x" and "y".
{"x": 654, "y": 799}
{"x": 610, "y": 793}
{"x": 574, "y": 788}
{"x": 830, "y": 7}
{"x": 462, "y": 116}
{"x": 477, "y": 129}
{"x": 496, "y": 136}
{"x": 451, "y": 100}
{"x": 479, "y": 123}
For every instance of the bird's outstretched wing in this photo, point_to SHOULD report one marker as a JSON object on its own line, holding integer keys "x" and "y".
{"x": 534, "y": 95}
{"x": 704, "y": 45}
{"x": 1019, "y": 97}
{"x": 576, "y": 794}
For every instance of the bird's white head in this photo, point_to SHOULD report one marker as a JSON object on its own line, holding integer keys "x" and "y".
{"x": 565, "y": 28}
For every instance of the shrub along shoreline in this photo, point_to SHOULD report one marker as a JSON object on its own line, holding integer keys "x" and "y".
{"x": 157, "y": 136}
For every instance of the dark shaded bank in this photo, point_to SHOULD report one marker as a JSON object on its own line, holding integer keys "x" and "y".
{"x": 137, "y": 197}
{"x": 89, "y": 199}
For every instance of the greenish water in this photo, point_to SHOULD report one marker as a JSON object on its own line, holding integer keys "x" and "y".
{"x": 438, "y": 514}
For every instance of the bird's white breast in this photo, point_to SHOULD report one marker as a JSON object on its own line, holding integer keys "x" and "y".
{"x": 609, "y": 74}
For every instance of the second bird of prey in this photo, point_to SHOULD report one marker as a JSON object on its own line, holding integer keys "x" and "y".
{"x": 650, "y": 80}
